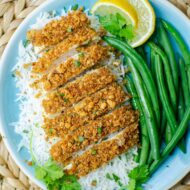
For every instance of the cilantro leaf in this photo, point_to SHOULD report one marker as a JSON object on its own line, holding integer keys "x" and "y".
{"x": 117, "y": 25}
{"x": 53, "y": 170}
{"x": 70, "y": 183}
{"x": 137, "y": 177}
{"x": 40, "y": 173}
{"x": 132, "y": 184}
{"x": 52, "y": 175}
{"x": 127, "y": 32}
{"x": 26, "y": 43}
{"x": 140, "y": 174}
{"x": 108, "y": 176}
{"x": 115, "y": 177}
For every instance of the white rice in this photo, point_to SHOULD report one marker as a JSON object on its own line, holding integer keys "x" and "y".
{"x": 31, "y": 120}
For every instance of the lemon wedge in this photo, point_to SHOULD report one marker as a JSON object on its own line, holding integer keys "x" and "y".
{"x": 139, "y": 13}
{"x": 105, "y": 7}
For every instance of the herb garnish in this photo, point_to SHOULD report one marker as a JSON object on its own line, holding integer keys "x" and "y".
{"x": 99, "y": 130}
{"x": 52, "y": 174}
{"x": 51, "y": 130}
{"x": 81, "y": 54}
{"x": 116, "y": 25}
{"x": 75, "y": 7}
{"x": 115, "y": 178}
{"x": 62, "y": 94}
{"x": 54, "y": 177}
{"x": 26, "y": 43}
{"x": 13, "y": 75}
{"x": 77, "y": 63}
{"x": 66, "y": 100}
{"x": 81, "y": 139}
{"x": 69, "y": 29}
{"x": 93, "y": 152}
{"x": 25, "y": 131}
{"x": 138, "y": 176}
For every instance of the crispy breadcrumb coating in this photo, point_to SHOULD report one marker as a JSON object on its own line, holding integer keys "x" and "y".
{"x": 82, "y": 36}
{"x": 75, "y": 91}
{"x": 93, "y": 132}
{"x": 87, "y": 58}
{"x": 104, "y": 152}
{"x": 57, "y": 30}
{"x": 88, "y": 109}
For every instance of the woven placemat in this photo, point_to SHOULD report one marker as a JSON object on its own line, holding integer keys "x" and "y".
{"x": 12, "y": 13}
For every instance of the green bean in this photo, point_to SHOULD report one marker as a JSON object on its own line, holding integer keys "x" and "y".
{"x": 164, "y": 95}
{"x": 181, "y": 105}
{"x": 144, "y": 133}
{"x": 163, "y": 123}
{"x": 181, "y": 111}
{"x": 165, "y": 98}
{"x": 184, "y": 82}
{"x": 148, "y": 112}
{"x": 168, "y": 134}
{"x": 152, "y": 65}
{"x": 180, "y": 132}
{"x": 168, "y": 74}
{"x": 182, "y": 46}
{"x": 140, "y": 63}
{"x": 167, "y": 47}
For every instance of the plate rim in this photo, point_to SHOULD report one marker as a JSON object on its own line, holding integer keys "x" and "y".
{"x": 3, "y": 64}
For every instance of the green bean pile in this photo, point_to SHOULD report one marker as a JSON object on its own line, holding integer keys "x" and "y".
{"x": 160, "y": 86}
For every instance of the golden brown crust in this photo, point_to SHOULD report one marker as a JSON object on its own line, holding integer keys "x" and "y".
{"x": 104, "y": 152}
{"x": 57, "y": 30}
{"x": 88, "y": 109}
{"x": 75, "y": 91}
{"x": 80, "y": 37}
{"x": 93, "y": 132}
{"x": 88, "y": 57}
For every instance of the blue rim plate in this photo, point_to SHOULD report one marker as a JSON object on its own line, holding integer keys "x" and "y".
{"x": 175, "y": 168}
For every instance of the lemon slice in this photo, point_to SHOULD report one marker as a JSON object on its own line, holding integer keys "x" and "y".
{"x": 139, "y": 13}
{"x": 105, "y": 7}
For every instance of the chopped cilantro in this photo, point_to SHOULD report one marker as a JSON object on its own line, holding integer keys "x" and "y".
{"x": 66, "y": 100}
{"x": 62, "y": 94}
{"x": 51, "y": 130}
{"x": 52, "y": 14}
{"x": 26, "y": 42}
{"x": 115, "y": 177}
{"x": 25, "y": 131}
{"x": 36, "y": 124}
{"x": 75, "y": 7}
{"x": 94, "y": 152}
{"x": 81, "y": 139}
{"x": 108, "y": 176}
{"x": 69, "y": 29}
{"x": 81, "y": 54}
{"x": 99, "y": 130}
{"x": 13, "y": 75}
{"x": 94, "y": 182}
{"x": 77, "y": 63}
{"x": 116, "y": 25}
{"x": 105, "y": 138}
{"x": 65, "y": 9}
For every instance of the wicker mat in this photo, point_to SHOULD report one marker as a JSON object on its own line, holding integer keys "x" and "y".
{"x": 12, "y": 13}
